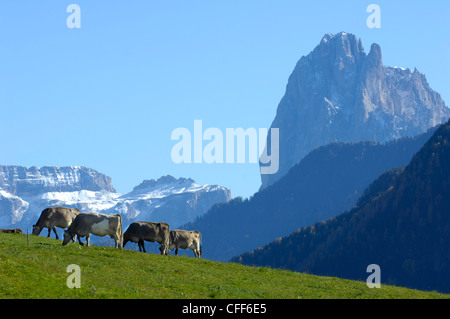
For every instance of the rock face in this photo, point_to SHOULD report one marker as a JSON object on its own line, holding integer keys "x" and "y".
{"x": 25, "y": 192}
{"x": 12, "y": 208}
{"x": 338, "y": 93}
{"x": 29, "y": 181}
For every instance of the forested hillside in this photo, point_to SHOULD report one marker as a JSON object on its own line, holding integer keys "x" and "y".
{"x": 325, "y": 183}
{"x": 403, "y": 225}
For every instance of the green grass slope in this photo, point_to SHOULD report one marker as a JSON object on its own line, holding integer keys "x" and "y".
{"x": 39, "y": 270}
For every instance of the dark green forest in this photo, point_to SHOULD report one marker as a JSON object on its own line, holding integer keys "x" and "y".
{"x": 401, "y": 223}
{"x": 325, "y": 183}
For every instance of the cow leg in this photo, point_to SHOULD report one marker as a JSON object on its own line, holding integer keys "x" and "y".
{"x": 197, "y": 250}
{"x": 117, "y": 242}
{"x": 87, "y": 239}
{"x": 176, "y": 251}
{"x": 49, "y": 231}
{"x": 56, "y": 234}
{"x": 79, "y": 240}
{"x": 141, "y": 245}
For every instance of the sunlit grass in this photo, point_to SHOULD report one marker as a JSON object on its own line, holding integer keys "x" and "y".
{"x": 40, "y": 271}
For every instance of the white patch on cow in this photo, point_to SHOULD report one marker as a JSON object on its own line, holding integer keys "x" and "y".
{"x": 101, "y": 229}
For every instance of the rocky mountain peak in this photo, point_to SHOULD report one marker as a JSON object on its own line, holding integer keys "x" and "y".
{"x": 374, "y": 58}
{"x": 163, "y": 180}
{"x": 338, "y": 93}
{"x": 29, "y": 181}
{"x": 340, "y": 45}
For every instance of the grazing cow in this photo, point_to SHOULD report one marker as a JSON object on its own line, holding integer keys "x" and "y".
{"x": 137, "y": 232}
{"x": 185, "y": 239}
{"x": 53, "y": 217}
{"x": 11, "y": 231}
{"x": 96, "y": 224}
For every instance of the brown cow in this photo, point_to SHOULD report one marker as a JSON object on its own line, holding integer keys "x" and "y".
{"x": 53, "y": 217}
{"x": 138, "y": 232}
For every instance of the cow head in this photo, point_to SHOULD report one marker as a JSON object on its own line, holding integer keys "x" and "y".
{"x": 170, "y": 247}
{"x": 67, "y": 237}
{"x": 36, "y": 230}
{"x": 164, "y": 249}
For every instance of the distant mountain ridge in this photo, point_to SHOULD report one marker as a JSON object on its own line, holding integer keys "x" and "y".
{"x": 338, "y": 93}
{"x": 326, "y": 182}
{"x": 170, "y": 200}
{"x": 28, "y": 181}
{"x": 164, "y": 180}
{"x": 26, "y": 191}
{"x": 402, "y": 223}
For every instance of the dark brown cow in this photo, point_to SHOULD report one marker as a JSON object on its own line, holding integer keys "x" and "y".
{"x": 11, "y": 231}
{"x": 138, "y": 232}
{"x": 53, "y": 217}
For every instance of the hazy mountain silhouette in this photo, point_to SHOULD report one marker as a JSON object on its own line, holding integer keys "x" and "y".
{"x": 326, "y": 182}
{"x": 402, "y": 224}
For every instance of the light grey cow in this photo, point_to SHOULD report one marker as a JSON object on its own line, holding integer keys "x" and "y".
{"x": 53, "y": 217}
{"x": 186, "y": 239}
{"x": 96, "y": 224}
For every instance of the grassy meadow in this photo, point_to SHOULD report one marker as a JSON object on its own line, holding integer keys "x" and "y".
{"x": 39, "y": 270}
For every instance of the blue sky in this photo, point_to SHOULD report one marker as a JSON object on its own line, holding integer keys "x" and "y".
{"x": 108, "y": 95}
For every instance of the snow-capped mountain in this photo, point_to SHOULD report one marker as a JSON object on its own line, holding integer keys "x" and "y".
{"x": 170, "y": 200}
{"x": 338, "y": 93}
{"x": 29, "y": 181}
{"x": 25, "y": 192}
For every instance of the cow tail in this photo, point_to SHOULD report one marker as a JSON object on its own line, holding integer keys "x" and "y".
{"x": 120, "y": 232}
{"x": 201, "y": 245}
